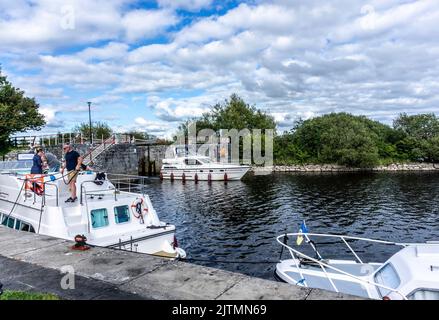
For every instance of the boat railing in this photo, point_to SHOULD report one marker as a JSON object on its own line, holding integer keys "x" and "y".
{"x": 121, "y": 183}
{"x": 45, "y": 194}
{"x": 324, "y": 266}
{"x": 84, "y": 192}
{"x": 128, "y": 183}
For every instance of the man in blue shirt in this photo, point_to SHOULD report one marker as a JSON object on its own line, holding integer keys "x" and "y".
{"x": 72, "y": 163}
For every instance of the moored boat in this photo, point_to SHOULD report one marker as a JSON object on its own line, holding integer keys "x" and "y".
{"x": 104, "y": 214}
{"x": 196, "y": 167}
{"x": 411, "y": 273}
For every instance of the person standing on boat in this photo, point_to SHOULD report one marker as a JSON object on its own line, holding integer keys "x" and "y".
{"x": 37, "y": 162}
{"x": 72, "y": 163}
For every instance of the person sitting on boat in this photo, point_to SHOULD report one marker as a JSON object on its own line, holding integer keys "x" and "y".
{"x": 72, "y": 163}
{"x": 37, "y": 162}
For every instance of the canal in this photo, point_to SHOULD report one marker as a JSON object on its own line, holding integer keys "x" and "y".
{"x": 238, "y": 222}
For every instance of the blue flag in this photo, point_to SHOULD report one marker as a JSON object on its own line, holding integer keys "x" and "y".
{"x": 303, "y": 229}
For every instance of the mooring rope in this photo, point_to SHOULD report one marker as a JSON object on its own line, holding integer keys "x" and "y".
{"x": 16, "y": 200}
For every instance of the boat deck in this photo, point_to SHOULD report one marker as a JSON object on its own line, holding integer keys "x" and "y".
{"x": 316, "y": 279}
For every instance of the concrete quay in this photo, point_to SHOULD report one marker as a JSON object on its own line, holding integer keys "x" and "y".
{"x": 39, "y": 263}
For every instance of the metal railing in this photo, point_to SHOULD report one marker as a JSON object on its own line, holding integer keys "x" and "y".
{"x": 128, "y": 183}
{"x": 95, "y": 152}
{"x": 295, "y": 253}
{"x": 56, "y": 195}
{"x": 122, "y": 183}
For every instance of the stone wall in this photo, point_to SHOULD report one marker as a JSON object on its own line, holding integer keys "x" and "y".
{"x": 338, "y": 168}
{"x": 124, "y": 158}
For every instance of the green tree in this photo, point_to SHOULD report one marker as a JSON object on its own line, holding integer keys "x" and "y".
{"x": 421, "y": 126}
{"x": 337, "y": 138}
{"x": 18, "y": 113}
{"x": 141, "y": 135}
{"x": 98, "y": 129}
{"x": 421, "y": 135}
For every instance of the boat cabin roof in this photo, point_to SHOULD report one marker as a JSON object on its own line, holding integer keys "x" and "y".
{"x": 182, "y": 159}
{"x": 412, "y": 268}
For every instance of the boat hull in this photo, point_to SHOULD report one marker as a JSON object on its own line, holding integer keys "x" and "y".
{"x": 314, "y": 277}
{"x": 205, "y": 174}
{"x": 149, "y": 243}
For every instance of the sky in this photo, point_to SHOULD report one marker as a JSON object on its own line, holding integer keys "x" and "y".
{"x": 149, "y": 65}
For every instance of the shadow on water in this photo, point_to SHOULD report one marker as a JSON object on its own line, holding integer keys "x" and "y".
{"x": 239, "y": 221}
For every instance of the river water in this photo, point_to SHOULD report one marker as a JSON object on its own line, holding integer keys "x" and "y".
{"x": 238, "y": 222}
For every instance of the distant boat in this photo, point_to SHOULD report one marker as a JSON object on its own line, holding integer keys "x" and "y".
{"x": 197, "y": 167}
{"x": 107, "y": 216}
{"x": 411, "y": 273}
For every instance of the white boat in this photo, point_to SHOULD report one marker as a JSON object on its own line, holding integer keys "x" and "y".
{"x": 411, "y": 273}
{"x": 196, "y": 167}
{"x": 104, "y": 214}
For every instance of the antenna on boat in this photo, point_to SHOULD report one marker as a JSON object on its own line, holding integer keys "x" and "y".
{"x": 285, "y": 242}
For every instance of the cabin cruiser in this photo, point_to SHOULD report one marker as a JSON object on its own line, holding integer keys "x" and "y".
{"x": 104, "y": 214}
{"x": 411, "y": 273}
{"x": 197, "y": 167}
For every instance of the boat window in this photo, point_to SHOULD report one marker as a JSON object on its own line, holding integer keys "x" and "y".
{"x": 99, "y": 218}
{"x": 388, "y": 277}
{"x": 17, "y": 224}
{"x": 122, "y": 214}
{"x": 192, "y": 162}
{"x": 424, "y": 294}
{"x": 25, "y": 227}
{"x": 8, "y": 222}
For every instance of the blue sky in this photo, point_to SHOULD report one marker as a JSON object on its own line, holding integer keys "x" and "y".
{"x": 148, "y": 65}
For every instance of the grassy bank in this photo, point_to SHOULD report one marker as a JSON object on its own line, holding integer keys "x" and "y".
{"x": 21, "y": 295}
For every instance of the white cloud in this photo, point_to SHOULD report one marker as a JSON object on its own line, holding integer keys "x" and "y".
{"x": 151, "y": 53}
{"x": 157, "y": 128}
{"x": 51, "y": 116}
{"x": 190, "y": 5}
{"x": 46, "y": 24}
{"x": 172, "y": 109}
{"x": 293, "y": 58}
{"x": 144, "y": 24}
{"x": 112, "y": 50}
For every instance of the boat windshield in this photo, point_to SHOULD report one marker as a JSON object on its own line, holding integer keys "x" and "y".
{"x": 388, "y": 277}
{"x": 21, "y": 167}
{"x": 206, "y": 160}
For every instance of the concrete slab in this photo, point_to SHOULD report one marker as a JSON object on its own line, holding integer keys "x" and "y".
{"x": 317, "y": 294}
{"x": 179, "y": 280}
{"x": 117, "y": 267}
{"x": 54, "y": 256}
{"x": 17, "y": 275}
{"x": 113, "y": 266}
{"x": 25, "y": 242}
{"x": 260, "y": 289}
{"x": 8, "y": 234}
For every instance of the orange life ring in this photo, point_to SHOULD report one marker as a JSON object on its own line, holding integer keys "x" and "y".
{"x": 138, "y": 208}
{"x": 35, "y": 183}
